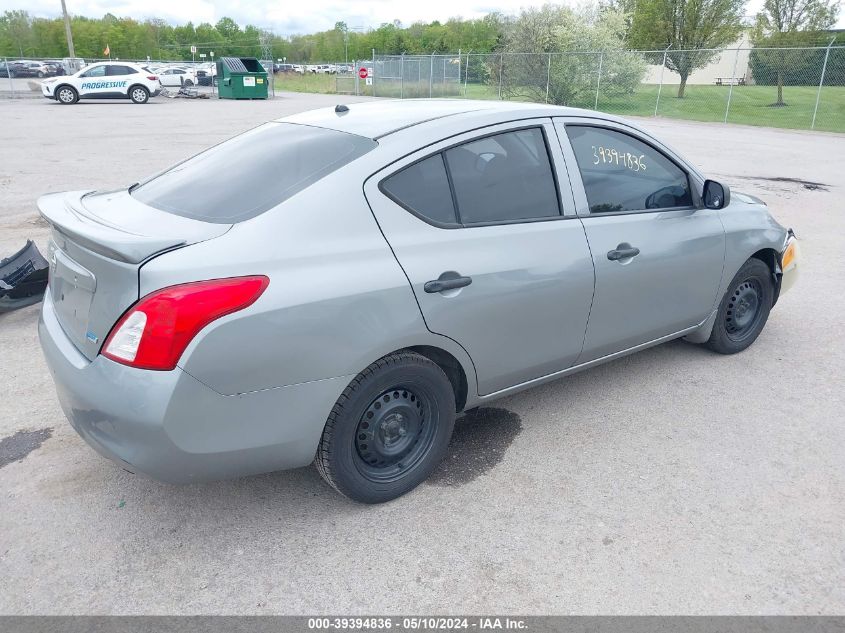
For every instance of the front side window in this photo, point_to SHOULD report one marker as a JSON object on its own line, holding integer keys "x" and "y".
{"x": 251, "y": 173}
{"x": 622, "y": 173}
{"x": 96, "y": 71}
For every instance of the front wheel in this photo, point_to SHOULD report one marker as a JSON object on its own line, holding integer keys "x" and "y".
{"x": 744, "y": 309}
{"x": 139, "y": 94}
{"x": 388, "y": 430}
{"x": 67, "y": 95}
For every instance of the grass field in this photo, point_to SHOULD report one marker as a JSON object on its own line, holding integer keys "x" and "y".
{"x": 750, "y": 105}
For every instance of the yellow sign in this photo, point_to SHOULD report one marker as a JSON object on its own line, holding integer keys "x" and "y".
{"x": 260, "y": 80}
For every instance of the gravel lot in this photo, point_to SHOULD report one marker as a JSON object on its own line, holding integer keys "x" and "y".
{"x": 672, "y": 481}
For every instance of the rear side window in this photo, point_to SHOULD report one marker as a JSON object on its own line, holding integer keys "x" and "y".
{"x": 503, "y": 178}
{"x": 496, "y": 179}
{"x": 424, "y": 189}
{"x": 622, "y": 173}
{"x": 114, "y": 71}
{"x": 251, "y": 173}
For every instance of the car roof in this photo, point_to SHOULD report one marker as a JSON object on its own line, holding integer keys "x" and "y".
{"x": 376, "y": 119}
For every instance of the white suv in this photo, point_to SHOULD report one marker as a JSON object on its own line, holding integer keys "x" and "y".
{"x": 104, "y": 80}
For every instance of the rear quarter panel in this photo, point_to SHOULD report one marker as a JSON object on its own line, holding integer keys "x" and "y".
{"x": 337, "y": 300}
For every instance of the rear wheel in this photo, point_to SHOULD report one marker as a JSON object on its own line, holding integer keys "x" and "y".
{"x": 188, "y": 83}
{"x": 139, "y": 94}
{"x": 67, "y": 95}
{"x": 388, "y": 430}
{"x": 744, "y": 309}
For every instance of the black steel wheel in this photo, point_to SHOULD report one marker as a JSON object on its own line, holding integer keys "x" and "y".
{"x": 388, "y": 430}
{"x": 744, "y": 309}
{"x": 395, "y": 433}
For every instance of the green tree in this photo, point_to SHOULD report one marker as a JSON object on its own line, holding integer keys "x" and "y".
{"x": 687, "y": 28}
{"x": 16, "y": 33}
{"x": 789, "y": 23}
{"x": 568, "y": 79}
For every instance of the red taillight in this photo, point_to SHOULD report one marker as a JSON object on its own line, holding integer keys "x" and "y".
{"x": 155, "y": 331}
{"x": 152, "y": 77}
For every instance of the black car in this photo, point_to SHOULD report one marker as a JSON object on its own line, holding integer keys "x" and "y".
{"x": 25, "y": 69}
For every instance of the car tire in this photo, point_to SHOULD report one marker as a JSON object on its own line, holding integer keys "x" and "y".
{"x": 40, "y": 74}
{"x": 188, "y": 83}
{"x": 744, "y": 309}
{"x": 66, "y": 95}
{"x": 139, "y": 94}
{"x": 389, "y": 429}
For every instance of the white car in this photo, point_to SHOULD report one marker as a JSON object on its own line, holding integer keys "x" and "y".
{"x": 178, "y": 76}
{"x": 103, "y": 80}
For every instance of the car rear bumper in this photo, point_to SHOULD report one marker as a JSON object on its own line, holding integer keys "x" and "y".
{"x": 170, "y": 426}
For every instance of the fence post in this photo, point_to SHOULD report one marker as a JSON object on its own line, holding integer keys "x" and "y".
{"x": 731, "y": 87}
{"x": 548, "y": 76}
{"x": 9, "y": 75}
{"x": 501, "y": 69}
{"x": 821, "y": 81}
{"x": 660, "y": 87}
{"x": 374, "y": 72}
{"x": 355, "y": 70}
{"x": 466, "y": 77}
{"x": 402, "y": 78}
{"x": 430, "y": 74}
{"x": 598, "y": 81}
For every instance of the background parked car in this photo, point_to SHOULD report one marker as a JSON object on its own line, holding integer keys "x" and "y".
{"x": 178, "y": 76}
{"x": 206, "y": 73}
{"x": 24, "y": 68}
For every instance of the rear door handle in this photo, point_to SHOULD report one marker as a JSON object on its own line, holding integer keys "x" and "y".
{"x": 441, "y": 285}
{"x": 623, "y": 251}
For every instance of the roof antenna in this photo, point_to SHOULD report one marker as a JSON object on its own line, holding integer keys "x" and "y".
{"x": 341, "y": 109}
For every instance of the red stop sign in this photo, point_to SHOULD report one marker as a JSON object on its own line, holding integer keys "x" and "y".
{"x": 362, "y": 72}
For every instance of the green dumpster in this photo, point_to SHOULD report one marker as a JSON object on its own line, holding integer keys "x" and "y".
{"x": 241, "y": 78}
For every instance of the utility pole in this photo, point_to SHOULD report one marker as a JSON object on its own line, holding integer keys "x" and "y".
{"x": 68, "y": 34}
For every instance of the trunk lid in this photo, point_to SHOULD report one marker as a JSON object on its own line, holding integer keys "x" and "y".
{"x": 99, "y": 242}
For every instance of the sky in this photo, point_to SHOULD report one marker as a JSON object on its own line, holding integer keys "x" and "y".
{"x": 288, "y": 18}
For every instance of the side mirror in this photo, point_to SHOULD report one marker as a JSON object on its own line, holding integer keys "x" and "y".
{"x": 716, "y": 195}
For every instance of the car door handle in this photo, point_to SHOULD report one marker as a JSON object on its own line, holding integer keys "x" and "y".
{"x": 440, "y": 285}
{"x": 623, "y": 251}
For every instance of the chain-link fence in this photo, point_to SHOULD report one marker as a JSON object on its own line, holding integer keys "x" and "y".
{"x": 801, "y": 88}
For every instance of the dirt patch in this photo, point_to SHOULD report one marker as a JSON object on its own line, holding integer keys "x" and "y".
{"x": 479, "y": 442}
{"x": 807, "y": 184}
{"x": 15, "y": 447}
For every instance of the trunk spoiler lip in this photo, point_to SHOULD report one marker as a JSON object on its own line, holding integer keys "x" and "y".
{"x": 67, "y": 215}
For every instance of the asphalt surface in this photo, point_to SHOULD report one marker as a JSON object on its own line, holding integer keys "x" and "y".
{"x": 671, "y": 481}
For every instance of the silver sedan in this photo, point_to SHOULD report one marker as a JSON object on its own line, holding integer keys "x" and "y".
{"x": 337, "y": 285}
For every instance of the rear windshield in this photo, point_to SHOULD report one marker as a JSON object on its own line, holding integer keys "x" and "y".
{"x": 251, "y": 173}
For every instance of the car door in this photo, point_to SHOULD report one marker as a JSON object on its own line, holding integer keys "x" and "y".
{"x": 92, "y": 81}
{"x": 496, "y": 257}
{"x": 169, "y": 78}
{"x": 658, "y": 253}
{"x": 119, "y": 77}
